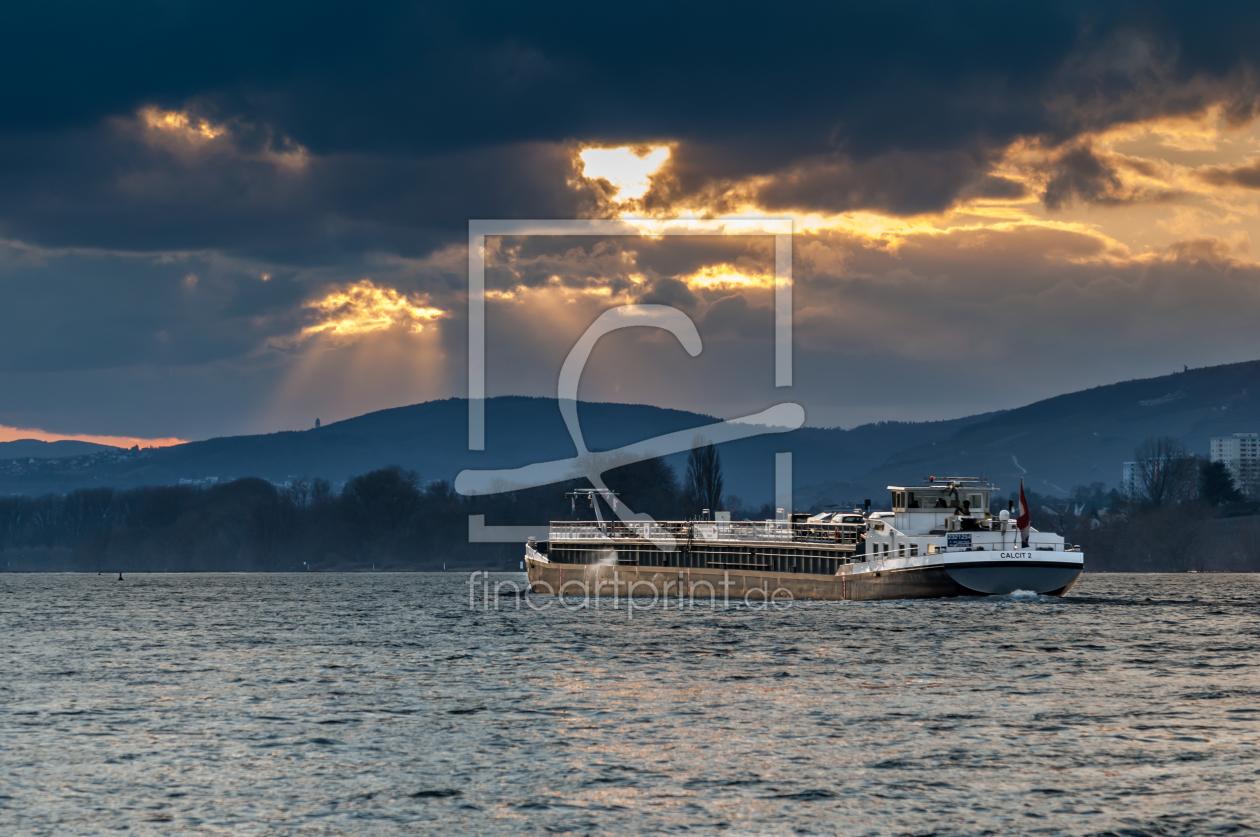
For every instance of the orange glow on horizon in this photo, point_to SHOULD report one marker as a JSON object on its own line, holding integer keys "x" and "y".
{"x": 14, "y": 434}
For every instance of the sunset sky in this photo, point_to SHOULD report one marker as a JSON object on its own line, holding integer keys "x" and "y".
{"x": 220, "y": 218}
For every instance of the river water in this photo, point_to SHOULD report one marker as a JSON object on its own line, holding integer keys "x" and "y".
{"x": 364, "y": 704}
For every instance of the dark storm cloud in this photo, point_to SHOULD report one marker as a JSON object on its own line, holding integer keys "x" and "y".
{"x": 93, "y": 311}
{"x": 1079, "y": 174}
{"x": 419, "y": 116}
{"x": 1247, "y": 176}
{"x": 669, "y": 291}
{"x": 443, "y": 76}
{"x": 733, "y": 316}
{"x": 899, "y": 183}
{"x": 111, "y": 187}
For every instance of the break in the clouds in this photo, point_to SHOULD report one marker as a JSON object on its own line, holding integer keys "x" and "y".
{"x": 222, "y": 218}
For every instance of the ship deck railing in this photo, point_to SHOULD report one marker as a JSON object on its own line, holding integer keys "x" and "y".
{"x": 769, "y": 531}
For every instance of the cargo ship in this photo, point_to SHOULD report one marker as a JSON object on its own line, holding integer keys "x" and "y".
{"x": 940, "y": 539}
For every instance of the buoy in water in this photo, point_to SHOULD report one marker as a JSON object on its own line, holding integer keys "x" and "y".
{"x": 120, "y": 576}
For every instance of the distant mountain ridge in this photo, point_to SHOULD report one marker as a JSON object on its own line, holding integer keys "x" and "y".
{"x": 432, "y": 439}
{"x": 38, "y": 449}
{"x": 1068, "y": 440}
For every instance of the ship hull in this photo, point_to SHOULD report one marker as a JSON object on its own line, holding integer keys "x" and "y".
{"x": 856, "y": 582}
{"x": 998, "y": 579}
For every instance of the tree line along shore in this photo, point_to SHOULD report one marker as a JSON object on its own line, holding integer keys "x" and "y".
{"x": 1186, "y": 517}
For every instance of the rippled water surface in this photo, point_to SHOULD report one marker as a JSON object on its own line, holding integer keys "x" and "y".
{"x": 382, "y": 704}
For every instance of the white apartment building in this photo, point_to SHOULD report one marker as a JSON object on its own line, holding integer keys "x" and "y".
{"x": 1128, "y": 478}
{"x": 1241, "y": 455}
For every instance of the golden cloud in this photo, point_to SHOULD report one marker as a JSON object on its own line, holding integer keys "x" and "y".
{"x": 728, "y": 276}
{"x": 364, "y": 308}
{"x": 185, "y": 134}
{"x": 1137, "y": 189}
{"x": 179, "y": 125}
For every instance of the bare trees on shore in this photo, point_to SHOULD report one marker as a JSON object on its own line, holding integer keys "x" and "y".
{"x": 704, "y": 483}
{"x": 1164, "y": 472}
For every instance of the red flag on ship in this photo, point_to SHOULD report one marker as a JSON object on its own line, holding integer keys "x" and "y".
{"x": 1024, "y": 521}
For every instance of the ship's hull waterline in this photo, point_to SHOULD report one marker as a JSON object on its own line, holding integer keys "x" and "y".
{"x": 974, "y": 578}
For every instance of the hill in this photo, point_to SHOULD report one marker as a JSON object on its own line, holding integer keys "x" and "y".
{"x": 431, "y": 438}
{"x": 1073, "y": 439}
{"x": 1076, "y": 439}
{"x": 36, "y": 449}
